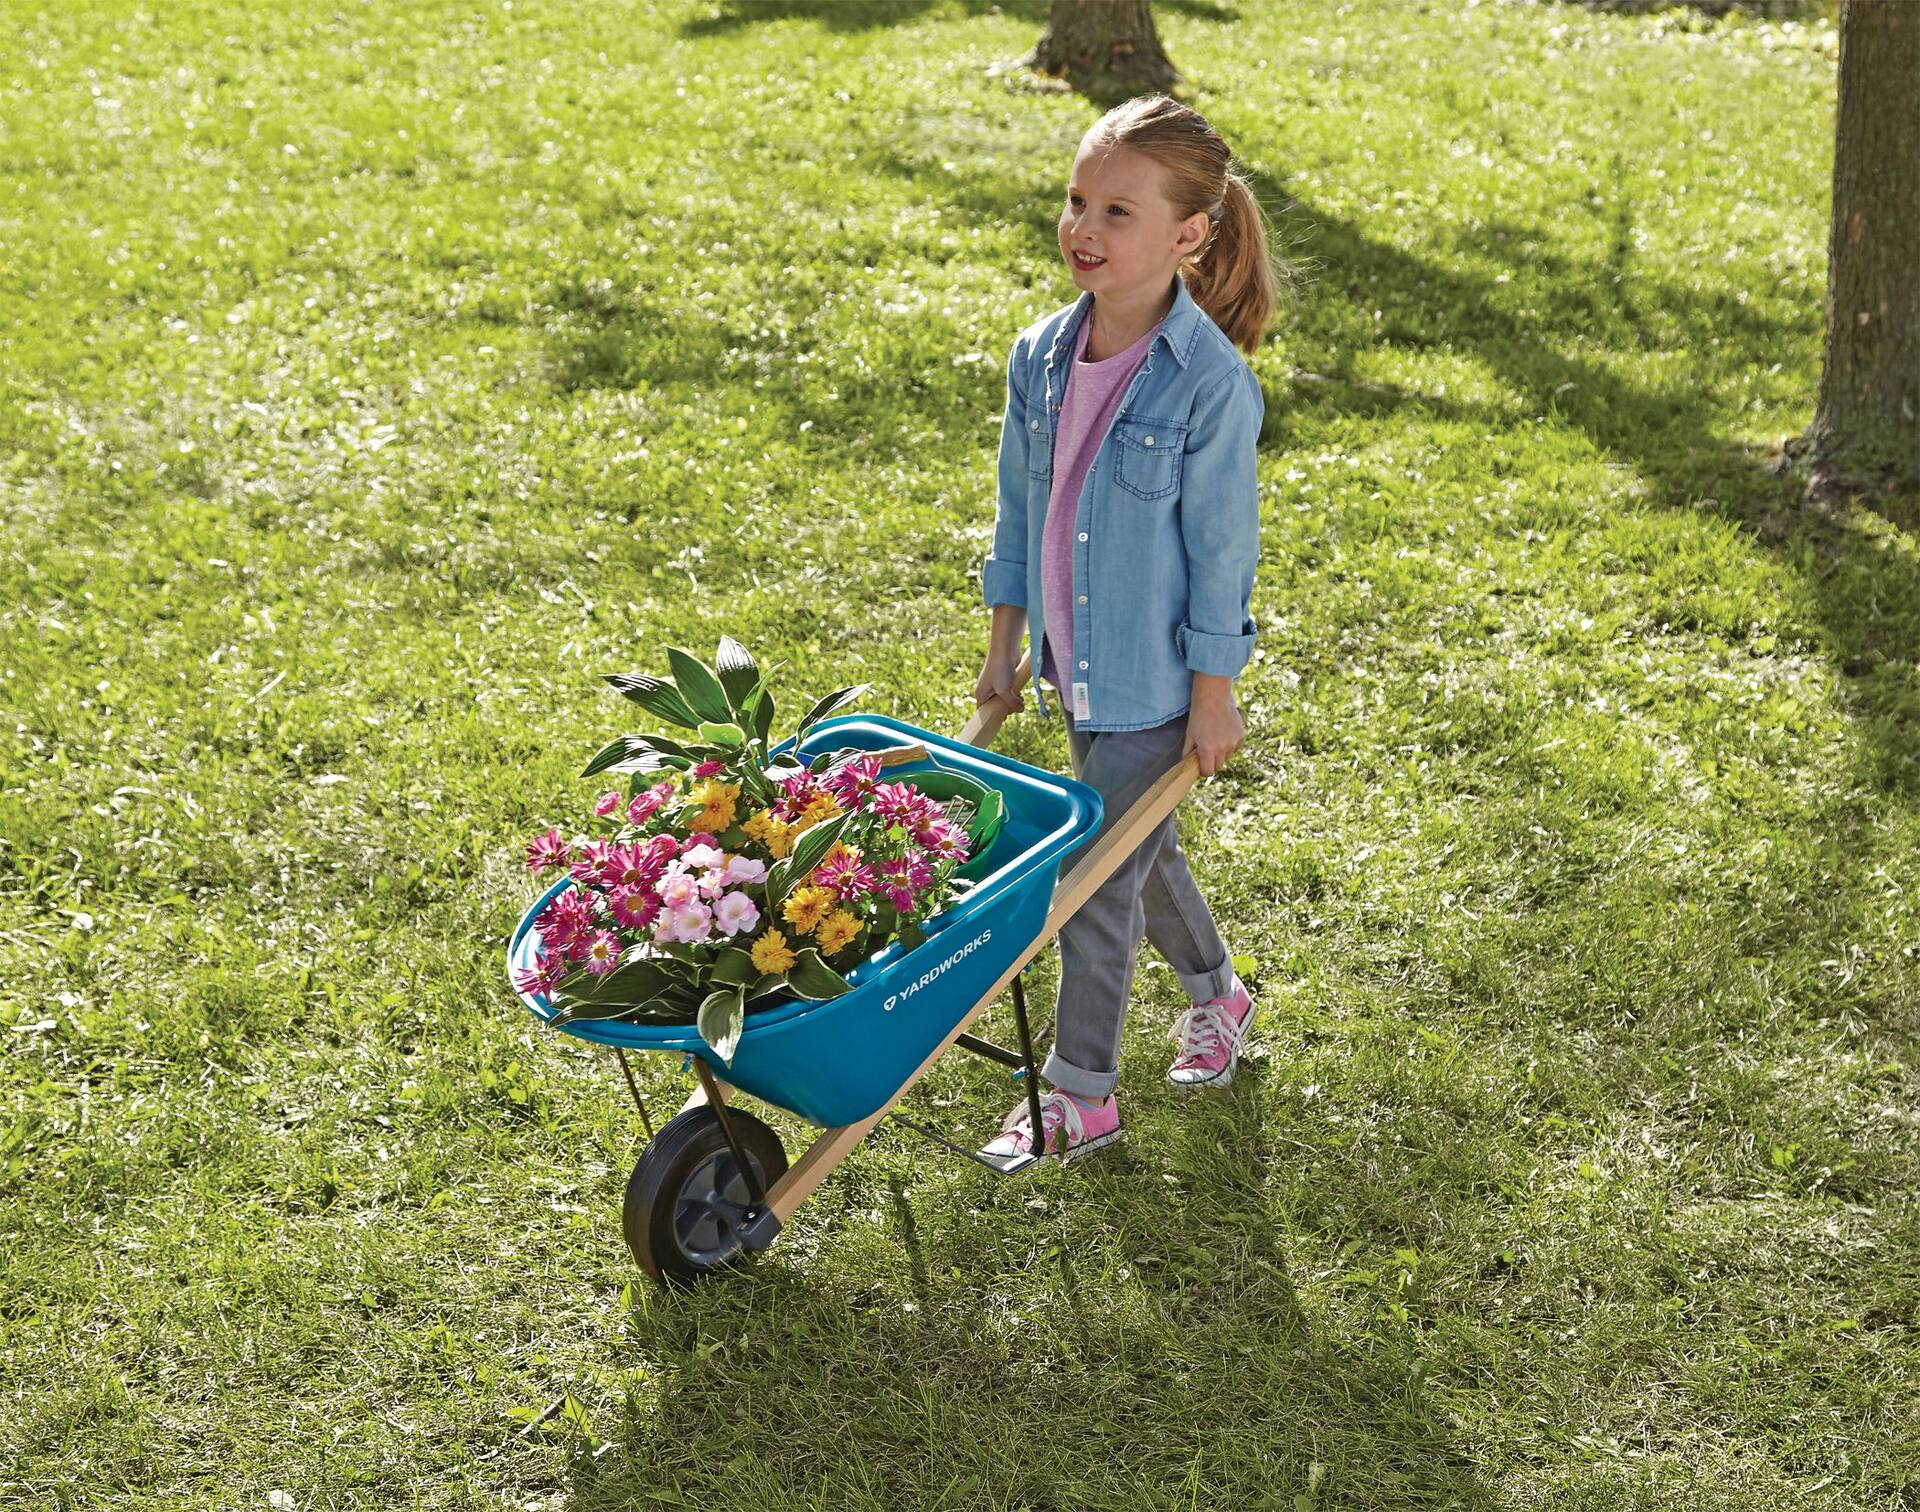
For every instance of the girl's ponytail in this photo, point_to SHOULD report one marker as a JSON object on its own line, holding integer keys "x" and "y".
{"x": 1232, "y": 277}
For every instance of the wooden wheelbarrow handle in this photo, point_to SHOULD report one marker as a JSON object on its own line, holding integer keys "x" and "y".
{"x": 988, "y": 716}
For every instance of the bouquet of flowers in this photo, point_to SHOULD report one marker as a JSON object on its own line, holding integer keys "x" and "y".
{"x": 722, "y": 876}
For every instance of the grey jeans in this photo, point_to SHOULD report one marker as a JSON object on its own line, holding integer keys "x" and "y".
{"x": 1151, "y": 893}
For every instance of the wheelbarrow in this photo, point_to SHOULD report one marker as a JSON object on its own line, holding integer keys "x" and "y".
{"x": 713, "y": 1184}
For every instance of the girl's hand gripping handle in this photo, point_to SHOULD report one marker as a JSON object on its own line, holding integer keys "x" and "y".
{"x": 996, "y": 695}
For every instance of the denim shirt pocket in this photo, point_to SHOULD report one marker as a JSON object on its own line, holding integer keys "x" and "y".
{"x": 1039, "y": 446}
{"x": 1147, "y": 456}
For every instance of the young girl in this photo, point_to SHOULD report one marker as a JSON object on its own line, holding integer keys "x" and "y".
{"x": 1125, "y": 541}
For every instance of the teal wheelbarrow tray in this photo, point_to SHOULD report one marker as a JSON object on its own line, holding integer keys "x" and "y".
{"x": 714, "y": 1183}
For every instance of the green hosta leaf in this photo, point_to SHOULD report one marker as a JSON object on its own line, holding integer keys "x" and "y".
{"x": 739, "y": 673}
{"x": 764, "y": 985}
{"x": 735, "y": 968}
{"x": 657, "y": 696}
{"x": 814, "y": 979}
{"x": 627, "y": 986}
{"x": 761, "y": 716}
{"x": 815, "y": 843}
{"x": 698, "y": 686}
{"x": 722, "y": 1016}
{"x": 912, "y": 937}
{"x": 647, "y": 752}
{"x": 729, "y": 735}
{"x": 828, "y": 705}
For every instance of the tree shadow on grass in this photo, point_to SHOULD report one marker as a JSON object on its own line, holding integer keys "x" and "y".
{"x": 848, "y": 15}
{"x": 1004, "y": 1366}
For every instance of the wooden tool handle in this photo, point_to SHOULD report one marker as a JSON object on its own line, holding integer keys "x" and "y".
{"x": 988, "y": 716}
{"x": 900, "y": 755}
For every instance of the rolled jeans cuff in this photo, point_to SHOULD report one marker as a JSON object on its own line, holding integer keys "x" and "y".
{"x": 1209, "y": 985}
{"x": 1077, "y": 1079}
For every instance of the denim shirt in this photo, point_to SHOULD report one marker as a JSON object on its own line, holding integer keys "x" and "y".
{"x": 1166, "y": 529}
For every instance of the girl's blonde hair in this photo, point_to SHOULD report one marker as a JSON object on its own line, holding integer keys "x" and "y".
{"x": 1232, "y": 275}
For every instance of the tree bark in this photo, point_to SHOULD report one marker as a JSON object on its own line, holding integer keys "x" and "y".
{"x": 1866, "y": 427}
{"x": 1106, "y": 49}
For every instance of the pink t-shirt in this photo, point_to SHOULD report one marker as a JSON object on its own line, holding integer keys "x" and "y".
{"x": 1094, "y": 390}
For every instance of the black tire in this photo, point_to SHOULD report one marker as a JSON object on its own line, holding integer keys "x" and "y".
{"x": 687, "y": 1195}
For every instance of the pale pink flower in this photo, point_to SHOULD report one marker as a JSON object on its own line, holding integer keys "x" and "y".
{"x": 712, "y": 881}
{"x": 546, "y": 850}
{"x": 735, "y": 912}
{"x": 693, "y": 923}
{"x": 746, "y": 869}
{"x": 703, "y": 853}
{"x": 679, "y": 887}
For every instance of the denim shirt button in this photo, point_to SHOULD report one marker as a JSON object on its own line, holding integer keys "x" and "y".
{"x": 1033, "y": 425}
{"x": 1149, "y": 440}
{"x": 1083, "y": 666}
{"x": 1083, "y": 598}
{"x": 1083, "y": 535}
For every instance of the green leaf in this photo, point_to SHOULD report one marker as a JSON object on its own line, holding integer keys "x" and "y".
{"x": 722, "y": 1016}
{"x": 730, "y": 735}
{"x": 734, "y": 967}
{"x": 828, "y": 705}
{"x": 739, "y": 673}
{"x": 648, "y": 752}
{"x": 698, "y": 686}
{"x": 912, "y": 937}
{"x": 762, "y": 715}
{"x": 634, "y": 985}
{"x": 765, "y": 985}
{"x": 656, "y": 695}
{"x": 814, "y": 979}
{"x": 815, "y": 843}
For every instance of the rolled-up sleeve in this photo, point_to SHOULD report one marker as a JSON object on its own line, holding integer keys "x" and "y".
{"x": 1220, "y": 525}
{"x": 1003, "y": 576}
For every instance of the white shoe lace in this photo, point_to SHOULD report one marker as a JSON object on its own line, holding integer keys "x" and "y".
{"x": 1204, "y": 1028}
{"x": 1019, "y": 1121}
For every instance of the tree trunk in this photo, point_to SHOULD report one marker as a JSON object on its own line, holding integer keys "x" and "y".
{"x": 1866, "y": 428}
{"x": 1106, "y": 49}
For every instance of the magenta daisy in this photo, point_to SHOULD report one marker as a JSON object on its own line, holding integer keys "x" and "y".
{"x": 588, "y": 860}
{"x": 854, "y": 781}
{"x": 546, "y": 850}
{"x": 568, "y": 916}
{"x": 602, "y": 952}
{"x": 845, "y": 874}
{"x": 633, "y": 907}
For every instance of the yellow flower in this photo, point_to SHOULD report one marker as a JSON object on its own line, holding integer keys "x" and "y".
{"x": 836, "y": 932}
{"x": 823, "y": 806}
{"x": 807, "y": 906}
{"x": 770, "y": 832}
{"x": 771, "y": 955}
{"x": 718, "y": 800}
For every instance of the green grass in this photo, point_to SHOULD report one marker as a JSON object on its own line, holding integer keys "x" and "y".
{"x": 1578, "y": 834}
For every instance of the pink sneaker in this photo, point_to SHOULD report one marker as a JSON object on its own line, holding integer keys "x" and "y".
{"x": 1087, "y": 1127}
{"x": 1209, "y": 1035}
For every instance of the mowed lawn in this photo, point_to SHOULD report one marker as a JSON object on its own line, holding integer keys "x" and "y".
{"x": 374, "y": 377}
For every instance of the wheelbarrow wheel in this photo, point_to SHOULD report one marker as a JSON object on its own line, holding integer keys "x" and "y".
{"x": 688, "y": 1200}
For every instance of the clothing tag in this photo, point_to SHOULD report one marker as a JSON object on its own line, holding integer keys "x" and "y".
{"x": 1080, "y": 709}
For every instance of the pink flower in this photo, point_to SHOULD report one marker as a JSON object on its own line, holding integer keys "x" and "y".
{"x": 542, "y": 977}
{"x": 899, "y": 897}
{"x": 703, "y": 853}
{"x": 943, "y": 837}
{"x": 712, "y": 881}
{"x": 606, "y": 804}
{"x": 707, "y": 768}
{"x": 645, "y": 805}
{"x": 567, "y": 917}
{"x": 602, "y": 951}
{"x": 546, "y": 850}
{"x": 845, "y": 875}
{"x": 587, "y": 863}
{"x": 745, "y": 869}
{"x": 702, "y": 837}
{"x": 735, "y": 912}
{"x": 853, "y": 781}
{"x": 631, "y": 866}
{"x": 693, "y": 923}
{"x": 633, "y": 907}
{"x": 662, "y": 848}
{"x": 678, "y": 887}
{"x": 895, "y": 802}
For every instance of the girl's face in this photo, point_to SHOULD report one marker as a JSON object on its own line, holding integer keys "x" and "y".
{"x": 1116, "y": 211}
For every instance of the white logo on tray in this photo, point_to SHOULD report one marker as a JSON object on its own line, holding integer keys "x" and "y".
{"x": 918, "y": 982}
